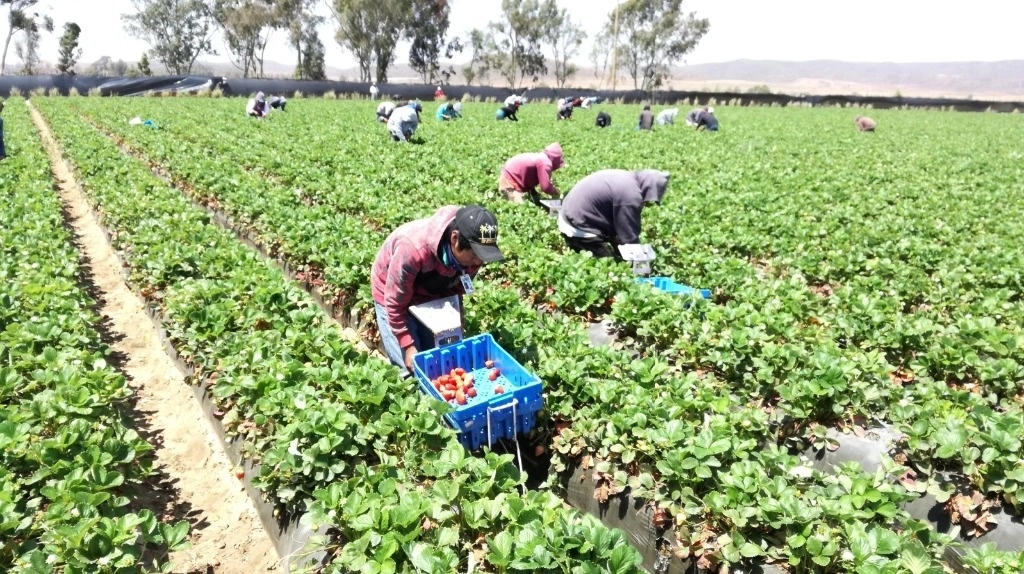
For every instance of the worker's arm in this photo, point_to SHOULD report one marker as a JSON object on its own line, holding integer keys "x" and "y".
{"x": 398, "y": 289}
{"x": 544, "y": 179}
{"x": 626, "y": 221}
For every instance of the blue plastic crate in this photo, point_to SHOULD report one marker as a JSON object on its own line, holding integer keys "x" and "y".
{"x": 513, "y": 411}
{"x": 667, "y": 285}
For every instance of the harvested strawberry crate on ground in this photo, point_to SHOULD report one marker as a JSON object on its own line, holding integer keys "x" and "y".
{"x": 487, "y": 387}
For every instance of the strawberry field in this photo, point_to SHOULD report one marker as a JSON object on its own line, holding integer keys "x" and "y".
{"x": 860, "y": 281}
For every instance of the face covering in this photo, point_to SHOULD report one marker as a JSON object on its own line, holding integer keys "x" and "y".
{"x": 448, "y": 258}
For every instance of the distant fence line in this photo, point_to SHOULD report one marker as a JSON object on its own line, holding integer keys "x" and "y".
{"x": 139, "y": 86}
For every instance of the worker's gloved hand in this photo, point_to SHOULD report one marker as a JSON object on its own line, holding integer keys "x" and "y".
{"x": 410, "y": 352}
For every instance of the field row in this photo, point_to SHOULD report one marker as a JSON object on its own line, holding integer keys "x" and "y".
{"x": 68, "y": 454}
{"x": 327, "y": 424}
{"x": 827, "y": 313}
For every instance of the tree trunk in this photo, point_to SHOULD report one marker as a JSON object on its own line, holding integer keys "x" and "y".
{"x": 298, "y": 65}
{"x": 7, "y": 44}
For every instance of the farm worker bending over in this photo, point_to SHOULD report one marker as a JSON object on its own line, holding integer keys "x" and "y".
{"x": 447, "y": 112}
{"x": 646, "y": 120}
{"x": 404, "y": 120}
{"x": 667, "y": 117}
{"x": 603, "y": 120}
{"x": 278, "y": 102}
{"x": 565, "y": 109}
{"x": 865, "y": 124}
{"x": 374, "y": 92}
{"x": 514, "y": 100}
{"x": 507, "y": 113}
{"x": 603, "y": 209}
{"x": 384, "y": 111}
{"x": 439, "y": 93}
{"x": 425, "y": 260}
{"x": 523, "y": 173}
{"x": 3, "y": 148}
{"x": 707, "y": 120}
{"x": 694, "y": 115}
{"x": 257, "y": 107}
{"x": 587, "y": 102}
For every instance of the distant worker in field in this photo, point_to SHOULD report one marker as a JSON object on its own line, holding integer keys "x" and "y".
{"x": 384, "y": 111}
{"x": 447, "y": 112}
{"x": 603, "y": 120}
{"x": 694, "y": 115}
{"x": 587, "y": 102}
{"x": 507, "y": 113}
{"x": 865, "y": 124}
{"x": 602, "y": 211}
{"x": 706, "y": 120}
{"x": 257, "y": 107}
{"x": 374, "y": 92}
{"x": 438, "y": 94}
{"x": 667, "y": 117}
{"x": 564, "y": 109}
{"x": 577, "y": 102}
{"x": 515, "y": 100}
{"x": 3, "y": 147}
{"x": 426, "y": 260}
{"x": 646, "y": 120}
{"x": 404, "y": 120}
{"x": 523, "y": 173}
{"x": 278, "y": 103}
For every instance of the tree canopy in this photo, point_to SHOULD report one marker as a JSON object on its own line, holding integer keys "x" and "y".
{"x": 651, "y": 36}
{"x": 69, "y": 52}
{"x": 178, "y": 31}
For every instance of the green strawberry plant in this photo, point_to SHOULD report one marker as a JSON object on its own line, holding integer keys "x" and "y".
{"x": 843, "y": 296}
{"x": 68, "y": 456}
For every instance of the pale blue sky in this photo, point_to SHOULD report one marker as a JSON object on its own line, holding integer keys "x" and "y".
{"x": 865, "y": 30}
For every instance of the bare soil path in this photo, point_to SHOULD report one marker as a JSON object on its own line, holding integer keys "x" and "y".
{"x": 194, "y": 478}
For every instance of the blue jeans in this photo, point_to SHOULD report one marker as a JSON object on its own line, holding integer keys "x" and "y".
{"x": 3, "y": 149}
{"x": 422, "y": 338}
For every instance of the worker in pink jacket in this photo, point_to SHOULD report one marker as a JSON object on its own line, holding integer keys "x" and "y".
{"x": 426, "y": 260}
{"x": 523, "y": 173}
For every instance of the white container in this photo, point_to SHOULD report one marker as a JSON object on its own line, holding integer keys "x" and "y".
{"x": 443, "y": 317}
{"x": 553, "y": 205}
{"x": 640, "y": 255}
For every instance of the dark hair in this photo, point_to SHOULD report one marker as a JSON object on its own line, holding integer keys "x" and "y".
{"x": 463, "y": 243}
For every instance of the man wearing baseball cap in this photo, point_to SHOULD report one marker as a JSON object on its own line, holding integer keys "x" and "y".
{"x": 426, "y": 260}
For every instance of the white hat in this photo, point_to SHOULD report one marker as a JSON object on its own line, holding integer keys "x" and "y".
{"x": 711, "y": 110}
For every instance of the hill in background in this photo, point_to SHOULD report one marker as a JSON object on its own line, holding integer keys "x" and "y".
{"x": 978, "y": 80}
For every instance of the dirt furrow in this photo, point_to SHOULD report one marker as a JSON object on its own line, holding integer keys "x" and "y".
{"x": 194, "y": 478}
